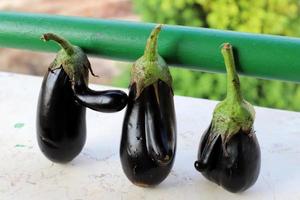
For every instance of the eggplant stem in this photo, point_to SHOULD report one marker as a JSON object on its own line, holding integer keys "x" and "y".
{"x": 91, "y": 70}
{"x": 66, "y": 45}
{"x": 151, "y": 47}
{"x": 233, "y": 82}
{"x": 53, "y": 66}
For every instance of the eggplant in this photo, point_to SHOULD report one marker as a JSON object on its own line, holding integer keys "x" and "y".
{"x": 148, "y": 142}
{"x": 61, "y": 122}
{"x": 107, "y": 101}
{"x": 229, "y": 153}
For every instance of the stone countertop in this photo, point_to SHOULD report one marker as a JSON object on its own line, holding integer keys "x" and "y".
{"x": 97, "y": 174}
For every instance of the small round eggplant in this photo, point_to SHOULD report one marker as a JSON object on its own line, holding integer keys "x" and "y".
{"x": 229, "y": 153}
{"x": 235, "y": 166}
{"x": 60, "y": 122}
{"x": 148, "y": 141}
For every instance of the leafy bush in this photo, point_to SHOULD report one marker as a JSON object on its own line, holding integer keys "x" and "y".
{"x": 258, "y": 16}
{"x": 259, "y": 92}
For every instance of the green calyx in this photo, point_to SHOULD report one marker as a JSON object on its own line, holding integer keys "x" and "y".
{"x": 233, "y": 113}
{"x": 71, "y": 58}
{"x": 151, "y": 67}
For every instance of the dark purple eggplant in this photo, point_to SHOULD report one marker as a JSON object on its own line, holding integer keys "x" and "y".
{"x": 148, "y": 141}
{"x": 61, "y": 125}
{"x": 229, "y": 153}
{"x": 102, "y": 101}
{"x": 77, "y": 66}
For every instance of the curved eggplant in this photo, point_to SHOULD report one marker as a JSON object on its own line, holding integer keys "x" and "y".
{"x": 229, "y": 153}
{"x": 60, "y": 122}
{"x": 102, "y": 101}
{"x": 77, "y": 66}
{"x": 148, "y": 141}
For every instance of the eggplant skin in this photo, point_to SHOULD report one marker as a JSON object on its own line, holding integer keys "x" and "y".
{"x": 238, "y": 168}
{"x": 60, "y": 122}
{"x": 107, "y": 101}
{"x": 148, "y": 141}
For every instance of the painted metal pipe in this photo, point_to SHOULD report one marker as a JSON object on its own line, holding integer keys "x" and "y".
{"x": 264, "y": 56}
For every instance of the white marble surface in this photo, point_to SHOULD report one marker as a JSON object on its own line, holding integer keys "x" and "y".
{"x": 97, "y": 174}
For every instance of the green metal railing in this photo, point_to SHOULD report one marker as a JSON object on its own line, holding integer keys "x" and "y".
{"x": 264, "y": 56}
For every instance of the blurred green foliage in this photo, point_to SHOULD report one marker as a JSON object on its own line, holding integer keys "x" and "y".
{"x": 280, "y": 17}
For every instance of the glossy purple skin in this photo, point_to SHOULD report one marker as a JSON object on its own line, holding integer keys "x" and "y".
{"x": 60, "y": 122}
{"x": 149, "y": 136}
{"x": 237, "y": 167}
{"x": 107, "y": 101}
